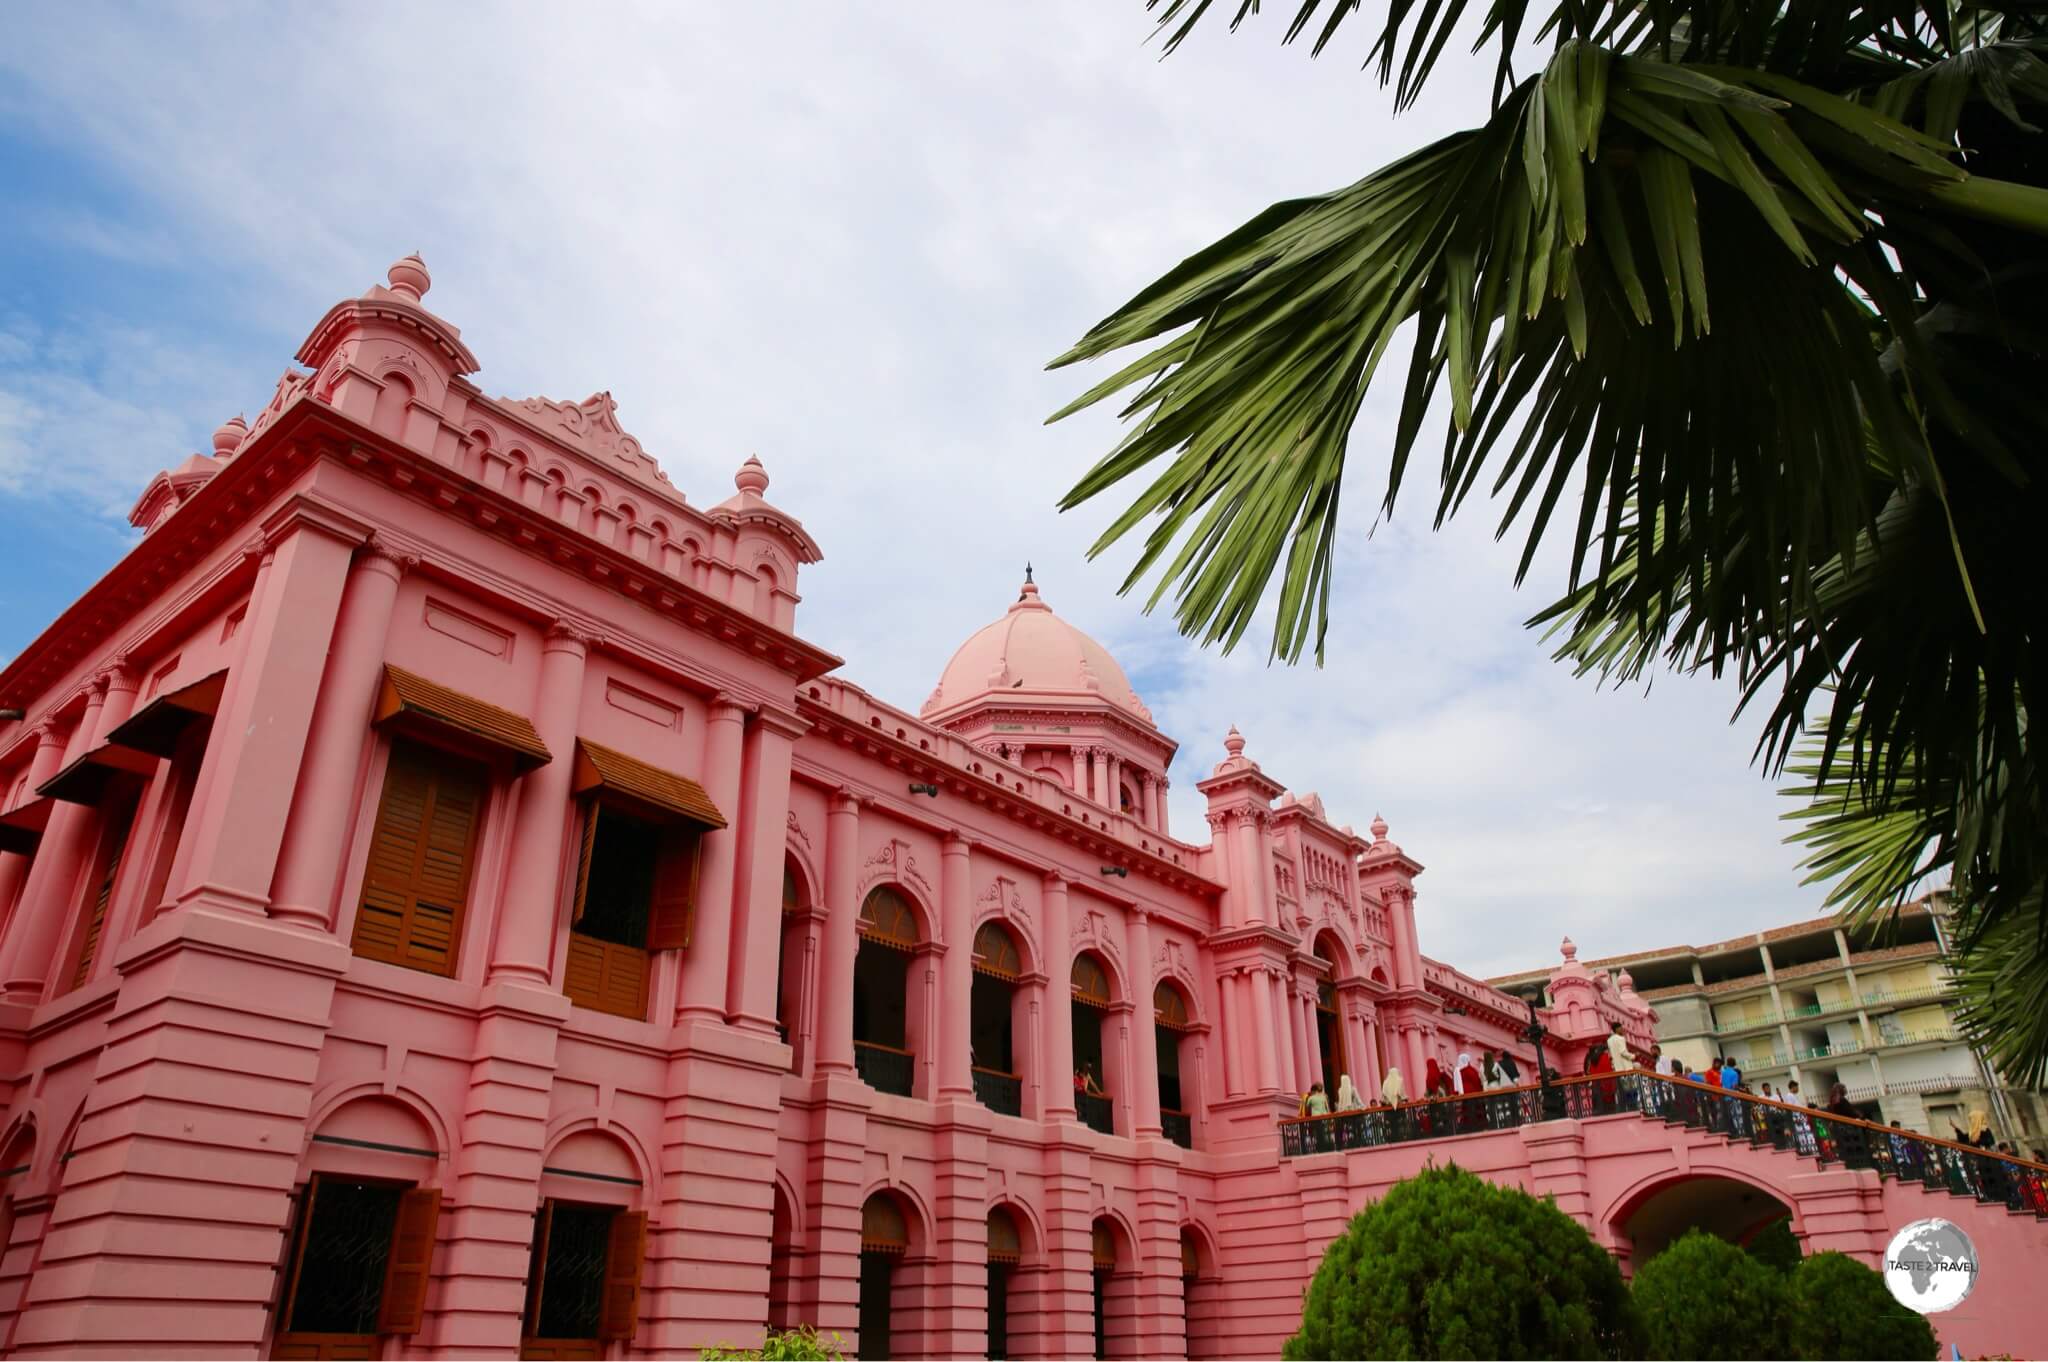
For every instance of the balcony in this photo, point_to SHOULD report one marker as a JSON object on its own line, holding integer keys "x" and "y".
{"x": 1096, "y": 1112}
{"x": 1887, "y": 997}
{"x": 884, "y": 1067}
{"x": 1722, "y": 1028}
{"x": 1178, "y": 1127}
{"x": 999, "y": 1092}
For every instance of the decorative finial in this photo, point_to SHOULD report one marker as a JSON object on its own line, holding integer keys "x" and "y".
{"x": 1625, "y": 981}
{"x": 1234, "y": 744}
{"x": 1379, "y": 828}
{"x": 1571, "y": 952}
{"x": 409, "y": 277}
{"x": 752, "y": 477}
{"x": 229, "y": 436}
{"x": 1027, "y": 572}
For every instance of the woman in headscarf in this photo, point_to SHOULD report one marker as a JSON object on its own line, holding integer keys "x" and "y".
{"x": 1347, "y": 1096}
{"x": 1469, "y": 1085}
{"x": 1392, "y": 1090}
{"x": 1432, "y": 1078}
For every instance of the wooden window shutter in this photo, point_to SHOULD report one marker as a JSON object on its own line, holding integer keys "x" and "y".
{"x": 417, "y": 878}
{"x": 298, "y": 1261}
{"x": 623, "y": 1260}
{"x": 404, "y": 1303}
{"x": 672, "y": 916}
{"x": 96, "y": 922}
{"x": 537, "y": 1272}
{"x": 583, "y": 862}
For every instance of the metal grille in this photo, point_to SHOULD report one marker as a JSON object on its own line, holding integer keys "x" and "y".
{"x": 341, "y": 1275}
{"x": 572, "y": 1291}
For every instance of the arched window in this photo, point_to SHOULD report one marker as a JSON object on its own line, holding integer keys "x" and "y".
{"x": 884, "y": 1238}
{"x": 1102, "y": 1250}
{"x": 1005, "y": 1252}
{"x": 1169, "y": 1008}
{"x": 1091, "y": 981}
{"x": 1090, "y": 1014}
{"x": 1330, "y": 1048}
{"x": 992, "y": 1024}
{"x": 797, "y": 926}
{"x": 882, "y": 1049}
{"x": 1170, "y": 1034}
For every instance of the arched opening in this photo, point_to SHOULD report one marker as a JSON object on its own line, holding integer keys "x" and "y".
{"x": 881, "y": 975}
{"x": 1725, "y": 1207}
{"x": 1091, "y": 1003}
{"x": 1201, "y": 1312}
{"x": 1005, "y": 1253}
{"x": 992, "y": 1027}
{"x": 1172, "y": 1036}
{"x": 884, "y": 1240}
{"x": 781, "y": 1263}
{"x": 1329, "y": 1026}
{"x": 792, "y": 964}
{"x": 1115, "y": 1279}
{"x": 589, "y": 1247}
{"x": 1125, "y": 803}
{"x": 22, "y": 1220}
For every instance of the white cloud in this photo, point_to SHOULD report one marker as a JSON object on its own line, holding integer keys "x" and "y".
{"x": 849, "y": 243}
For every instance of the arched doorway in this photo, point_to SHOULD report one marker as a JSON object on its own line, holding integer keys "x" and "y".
{"x": 889, "y": 934}
{"x": 884, "y": 1239}
{"x": 1201, "y": 1311}
{"x": 782, "y": 1263}
{"x": 1172, "y": 1033}
{"x": 1728, "y": 1208}
{"x": 992, "y": 1021}
{"x": 1330, "y": 1046}
{"x": 792, "y": 963}
{"x": 1102, "y": 1252}
{"x": 1093, "y": 1102}
{"x": 1005, "y": 1253}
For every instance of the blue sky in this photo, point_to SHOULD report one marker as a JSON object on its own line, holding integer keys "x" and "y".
{"x": 848, "y": 246}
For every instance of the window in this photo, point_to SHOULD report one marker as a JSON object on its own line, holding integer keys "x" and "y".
{"x": 120, "y": 823}
{"x": 417, "y": 877}
{"x": 882, "y": 1050}
{"x": 583, "y": 1281}
{"x": 358, "y": 1267}
{"x": 636, "y": 890}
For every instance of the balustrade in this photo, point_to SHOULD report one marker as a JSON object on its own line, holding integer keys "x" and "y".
{"x": 884, "y": 1067}
{"x": 999, "y": 1092}
{"x": 1097, "y": 1112}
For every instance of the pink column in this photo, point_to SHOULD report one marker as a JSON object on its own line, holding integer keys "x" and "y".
{"x": 1308, "y": 1052}
{"x": 956, "y": 909}
{"x": 1418, "y": 1059}
{"x": 1231, "y": 910}
{"x": 1098, "y": 774}
{"x": 1144, "y": 1039}
{"x": 316, "y": 838}
{"x": 14, "y": 865}
{"x": 1262, "y": 1038}
{"x": 1159, "y": 801}
{"x": 53, "y": 876}
{"x": 842, "y": 936}
{"x": 1226, "y": 996}
{"x": 1249, "y": 863}
{"x": 259, "y": 738}
{"x": 1059, "y": 1015}
{"x": 1408, "y": 957}
{"x": 757, "y": 914}
{"x": 707, "y": 962}
{"x": 1288, "y": 1038}
{"x": 1112, "y": 786}
{"x": 533, "y": 884}
{"x": 1149, "y": 796}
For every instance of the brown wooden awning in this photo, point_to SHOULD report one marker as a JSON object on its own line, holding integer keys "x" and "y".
{"x": 21, "y": 828}
{"x": 158, "y": 725}
{"x": 663, "y": 793}
{"x": 85, "y": 780}
{"x": 408, "y": 698}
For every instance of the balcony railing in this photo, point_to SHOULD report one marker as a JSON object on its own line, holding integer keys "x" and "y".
{"x": 999, "y": 1092}
{"x": 1178, "y": 1127}
{"x": 884, "y": 1067}
{"x": 1939, "y": 1165}
{"x": 1908, "y": 995}
{"x": 1096, "y": 1112}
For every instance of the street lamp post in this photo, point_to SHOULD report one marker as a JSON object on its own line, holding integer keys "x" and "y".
{"x": 1552, "y": 1107}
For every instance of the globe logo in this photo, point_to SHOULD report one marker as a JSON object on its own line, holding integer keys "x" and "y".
{"x": 1930, "y": 1266}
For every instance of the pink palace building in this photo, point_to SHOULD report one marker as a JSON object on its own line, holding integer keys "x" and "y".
{"x": 450, "y": 912}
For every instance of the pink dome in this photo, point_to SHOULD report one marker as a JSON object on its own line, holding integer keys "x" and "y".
{"x": 1031, "y": 652}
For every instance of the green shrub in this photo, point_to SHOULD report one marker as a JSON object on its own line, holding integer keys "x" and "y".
{"x": 801, "y": 1344}
{"x": 1704, "y": 1297}
{"x": 1776, "y": 1246}
{"x": 1838, "y": 1308}
{"x": 1448, "y": 1265}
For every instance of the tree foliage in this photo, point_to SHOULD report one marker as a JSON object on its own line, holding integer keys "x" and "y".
{"x": 1704, "y": 1297}
{"x": 1448, "y": 1265}
{"x": 1775, "y": 1246}
{"x": 801, "y": 1344}
{"x": 1835, "y": 1307}
{"x": 1741, "y": 296}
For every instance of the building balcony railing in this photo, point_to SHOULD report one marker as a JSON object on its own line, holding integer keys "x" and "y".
{"x": 1179, "y": 1127}
{"x": 999, "y": 1092}
{"x": 884, "y": 1067}
{"x": 1885, "y": 997}
{"x": 1097, "y": 1112}
{"x": 1829, "y": 1139}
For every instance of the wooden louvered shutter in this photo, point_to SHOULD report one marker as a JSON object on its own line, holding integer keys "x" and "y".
{"x": 623, "y": 1259}
{"x": 419, "y": 865}
{"x": 404, "y": 1303}
{"x": 96, "y": 921}
{"x": 673, "y": 913}
{"x": 537, "y": 1270}
{"x": 583, "y": 861}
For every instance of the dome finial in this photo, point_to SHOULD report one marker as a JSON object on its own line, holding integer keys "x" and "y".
{"x": 229, "y": 436}
{"x": 1379, "y": 828}
{"x": 752, "y": 477}
{"x": 409, "y": 277}
{"x": 1234, "y": 743}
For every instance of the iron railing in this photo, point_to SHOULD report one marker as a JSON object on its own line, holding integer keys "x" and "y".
{"x": 1178, "y": 1127}
{"x": 1851, "y": 1142}
{"x": 1096, "y": 1112}
{"x": 999, "y": 1091}
{"x": 884, "y": 1067}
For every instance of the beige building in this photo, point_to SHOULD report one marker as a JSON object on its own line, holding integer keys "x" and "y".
{"x": 1815, "y": 1004}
